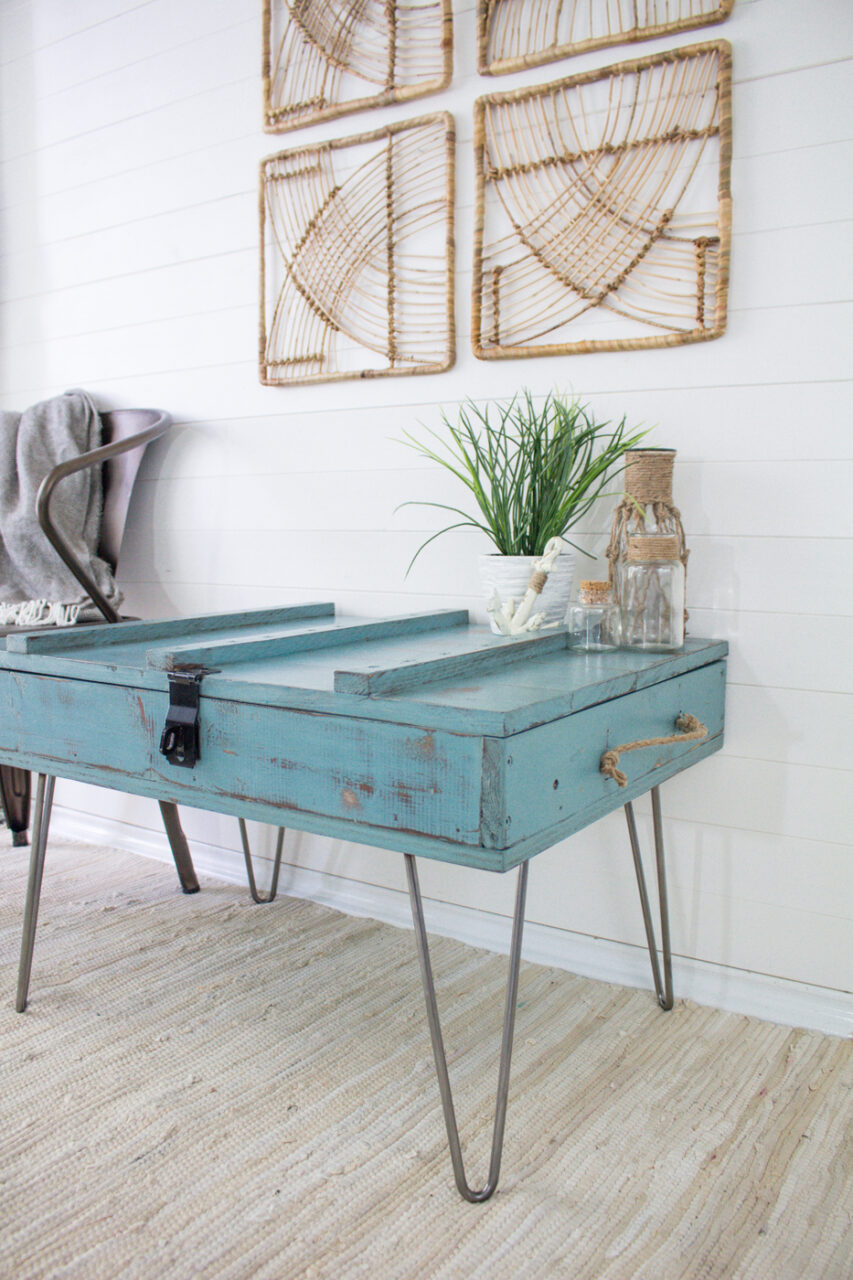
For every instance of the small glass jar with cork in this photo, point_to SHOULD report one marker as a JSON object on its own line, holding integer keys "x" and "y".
{"x": 652, "y": 593}
{"x": 594, "y": 622}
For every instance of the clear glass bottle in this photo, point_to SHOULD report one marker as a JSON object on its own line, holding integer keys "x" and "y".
{"x": 652, "y": 597}
{"x": 594, "y": 622}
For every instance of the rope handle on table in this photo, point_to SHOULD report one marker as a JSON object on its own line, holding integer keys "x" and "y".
{"x": 691, "y": 730}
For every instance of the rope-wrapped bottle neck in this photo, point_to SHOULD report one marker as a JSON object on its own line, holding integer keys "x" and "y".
{"x": 648, "y": 475}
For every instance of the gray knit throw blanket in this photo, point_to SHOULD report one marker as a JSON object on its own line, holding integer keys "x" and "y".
{"x": 36, "y": 589}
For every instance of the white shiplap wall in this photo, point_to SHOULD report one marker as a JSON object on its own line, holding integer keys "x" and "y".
{"x": 130, "y": 142}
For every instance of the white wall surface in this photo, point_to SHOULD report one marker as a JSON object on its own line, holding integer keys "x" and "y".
{"x": 131, "y": 136}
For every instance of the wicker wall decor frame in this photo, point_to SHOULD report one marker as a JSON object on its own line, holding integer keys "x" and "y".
{"x": 592, "y": 229}
{"x": 357, "y": 253}
{"x": 326, "y": 58}
{"x": 514, "y": 34}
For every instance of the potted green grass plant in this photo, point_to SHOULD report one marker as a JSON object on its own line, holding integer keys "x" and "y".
{"x": 532, "y": 471}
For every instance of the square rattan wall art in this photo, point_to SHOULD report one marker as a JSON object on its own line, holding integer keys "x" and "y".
{"x": 357, "y": 256}
{"x": 513, "y": 34}
{"x": 603, "y": 208}
{"x": 326, "y": 58}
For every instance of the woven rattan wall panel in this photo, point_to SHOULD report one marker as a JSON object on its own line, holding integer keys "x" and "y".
{"x": 603, "y": 211}
{"x": 325, "y": 58}
{"x": 357, "y": 256}
{"x": 512, "y": 34}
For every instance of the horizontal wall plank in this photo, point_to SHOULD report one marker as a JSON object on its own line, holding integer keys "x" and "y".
{"x": 790, "y": 726}
{"x": 788, "y": 267}
{"x": 747, "y": 498}
{"x": 806, "y": 187}
{"x": 715, "y": 499}
{"x": 138, "y": 244}
{"x": 783, "y": 650}
{"x": 767, "y": 574}
{"x": 760, "y": 795}
{"x": 97, "y": 201}
{"x": 725, "y": 573}
{"x": 105, "y": 36}
{"x": 55, "y": 22}
{"x": 795, "y": 107}
{"x": 789, "y": 422}
{"x": 798, "y": 188}
{"x": 215, "y": 46}
{"x": 207, "y": 338}
{"x": 806, "y": 343}
{"x": 771, "y": 38}
{"x": 792, "y": 266}
{"x": 792, "y": 38}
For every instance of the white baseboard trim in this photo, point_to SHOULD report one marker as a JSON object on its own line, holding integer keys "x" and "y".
{"x": 780, "y": 1000}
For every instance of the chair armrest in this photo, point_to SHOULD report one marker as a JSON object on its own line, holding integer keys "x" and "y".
{"x": 94, "y": 458}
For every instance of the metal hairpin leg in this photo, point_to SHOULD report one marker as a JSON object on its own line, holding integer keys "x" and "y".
{"x": 247, "y": 854}
{"x": 662, "y": 989}
{"x": 41, "y": 823}
{"x": 438, "y": 1044}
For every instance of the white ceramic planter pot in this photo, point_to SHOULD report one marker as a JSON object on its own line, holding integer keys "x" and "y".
{"x": 509, "y": 576}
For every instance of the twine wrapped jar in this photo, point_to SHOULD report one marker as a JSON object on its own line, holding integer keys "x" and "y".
{"x": 647, "y": 508}
{"x": 652, "y": 605}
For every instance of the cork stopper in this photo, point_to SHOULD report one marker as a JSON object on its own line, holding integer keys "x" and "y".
{"x": 652, "y": 546}
{"x": 648, "y": 474}
{"x": 590, "y": 592}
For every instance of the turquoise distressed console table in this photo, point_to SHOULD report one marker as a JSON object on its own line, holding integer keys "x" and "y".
{"x": 422, "y": 734}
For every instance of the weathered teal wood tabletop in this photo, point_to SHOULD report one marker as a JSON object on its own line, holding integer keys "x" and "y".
{"x": 422, "y": 733}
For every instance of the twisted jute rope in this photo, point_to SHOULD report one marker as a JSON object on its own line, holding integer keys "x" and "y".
{"x": 692, "y": 730}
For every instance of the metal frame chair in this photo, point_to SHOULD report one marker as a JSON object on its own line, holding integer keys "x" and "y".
{"x": 127, "y": 433}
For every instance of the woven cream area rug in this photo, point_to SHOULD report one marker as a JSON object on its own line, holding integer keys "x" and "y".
{"x": 202, "y": 1087}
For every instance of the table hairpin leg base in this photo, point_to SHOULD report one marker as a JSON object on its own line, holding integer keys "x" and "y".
{"x": 663, "y": 989}
{"x": 41, "y": 826}
{"x": 247, "y": 857}
{"x": 439, "y": 1054}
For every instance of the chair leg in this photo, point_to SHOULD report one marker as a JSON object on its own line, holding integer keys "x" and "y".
{"x": 15, "y": 799}
{"x": 180, "y": 848}
{"x": 44, "y": 801}
{"x": 247, "y": 856}
{"x": 663, "y": 990}
{"x": 467, "y": 1192}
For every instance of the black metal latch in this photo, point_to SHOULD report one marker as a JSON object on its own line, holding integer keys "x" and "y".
{"x": 180, "y": 739}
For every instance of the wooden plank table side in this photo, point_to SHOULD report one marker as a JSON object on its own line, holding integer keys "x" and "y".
{"x": 424, "y": 733}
